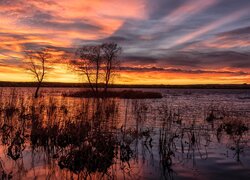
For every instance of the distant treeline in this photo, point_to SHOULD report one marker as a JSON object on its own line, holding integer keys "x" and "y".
{"x": 76, "y": 85}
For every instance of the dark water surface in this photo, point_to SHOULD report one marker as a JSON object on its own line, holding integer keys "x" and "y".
{"x": 188, "y": 134}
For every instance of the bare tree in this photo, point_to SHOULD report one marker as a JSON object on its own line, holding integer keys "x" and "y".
{"x": 98, "y": 63}
{"x": 37, "y": 60}
{"x": 111, "y": 51}
{"x": 89, "y": 63}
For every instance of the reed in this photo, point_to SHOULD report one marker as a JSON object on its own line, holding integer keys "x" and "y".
{"x": 126, "y": 94}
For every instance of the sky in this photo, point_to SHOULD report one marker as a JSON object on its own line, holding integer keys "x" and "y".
{"x": 163, "y": 41}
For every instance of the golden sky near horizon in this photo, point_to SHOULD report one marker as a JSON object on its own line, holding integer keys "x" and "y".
{"x": 164, "y": 42}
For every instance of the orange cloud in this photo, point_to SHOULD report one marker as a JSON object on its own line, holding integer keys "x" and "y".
{"x": 61, "y": 73}
{"x": 63, "y": 24}
{"x": 179, "y": 78}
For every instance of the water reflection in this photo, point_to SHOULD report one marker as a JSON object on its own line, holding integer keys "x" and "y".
{"x": 56, "y": 137}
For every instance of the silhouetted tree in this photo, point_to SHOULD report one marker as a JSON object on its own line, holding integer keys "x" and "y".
{"x": 89, "y": 63}
{"x": 111, "y": 52}
{"x": 37, "y": 60}
{"x": 98, "y": 63}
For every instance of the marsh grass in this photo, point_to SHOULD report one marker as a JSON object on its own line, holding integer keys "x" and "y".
{"x": 126, "y": 94}
{"x": 87, "y": 137}
{"x": 82, "y": 137}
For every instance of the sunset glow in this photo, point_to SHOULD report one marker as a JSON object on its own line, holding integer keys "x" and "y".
{"x": 163, "y": 42}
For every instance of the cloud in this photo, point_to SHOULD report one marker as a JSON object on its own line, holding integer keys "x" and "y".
{"x": 213, "y": 59}
{"x": 185, "y": 71}
{"x": 211, "y": 26}
{"x": 193, "y": 37}
{"x": 233, "y": 40}
{"x": 194, "y": 60}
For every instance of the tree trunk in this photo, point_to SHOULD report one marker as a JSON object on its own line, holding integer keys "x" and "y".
{"x": 37, "y": 90}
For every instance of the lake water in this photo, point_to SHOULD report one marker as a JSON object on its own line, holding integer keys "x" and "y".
{"x": 188, "y": 134}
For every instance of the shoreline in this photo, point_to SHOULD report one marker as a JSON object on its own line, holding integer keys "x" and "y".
{"x": 80, "y": 85}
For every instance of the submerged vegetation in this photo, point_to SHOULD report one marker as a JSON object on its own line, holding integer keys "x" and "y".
{"x": 87, "y": 138}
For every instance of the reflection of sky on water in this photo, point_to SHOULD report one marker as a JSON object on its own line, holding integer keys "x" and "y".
{"x": 207, "y": 159}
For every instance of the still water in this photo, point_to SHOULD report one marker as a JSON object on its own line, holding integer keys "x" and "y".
{"x": 188, "y": 134}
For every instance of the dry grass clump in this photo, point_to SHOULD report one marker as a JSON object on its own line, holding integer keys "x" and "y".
{"x": 126, "y": 94}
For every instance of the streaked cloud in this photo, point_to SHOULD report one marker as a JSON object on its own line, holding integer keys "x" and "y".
{"x": 186, "y": 41}
{"x": 211, "y": 26}
{"x": 238, "y": 39}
